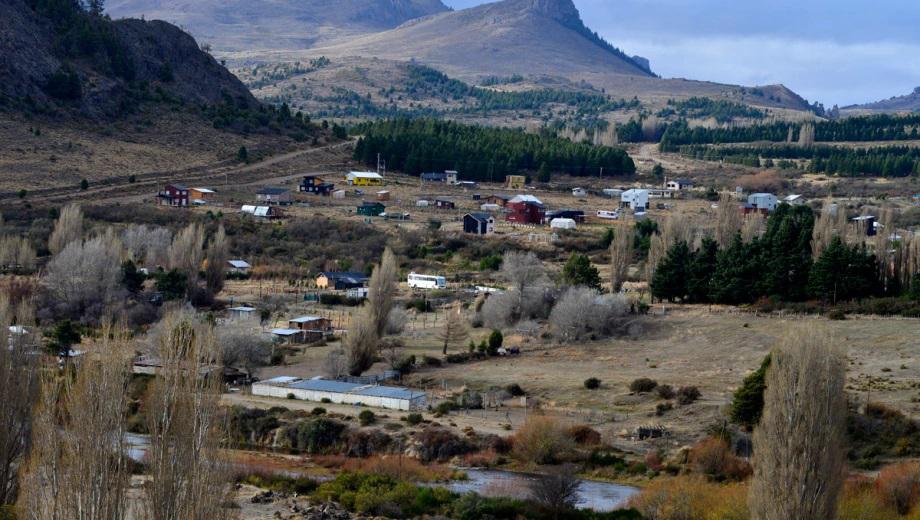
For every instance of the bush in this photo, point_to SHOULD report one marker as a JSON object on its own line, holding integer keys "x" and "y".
{"x": 320, "y": 435}
{"x": 445, "y": 407}
{"x": 367, "y": 418}
{"x": 592, "y": 383}
{"x": 542, "y": 441}
{"x": 364, "y": 443}
{"x": 319, "y": 410}
{"x": 747, "y": 402}
{"x": 437, "y": 444}
{"x": 663, "y": 408}
{"x": 714, "y": 458}
{"x": 515, "y": 390}
{"x": 643, "y": 385}
{"x": 338, "y": 299}
{"x": 414, "y": 418}
{"x": 898, "y": 486}
{"x": 496, "y": 339}
{"x": 584, "y": 435}
{"x": 665, "y": 392}
{"x": 280, "y": 483}
{"x": 691, "y": 497}
{"x": 687, "y": 395}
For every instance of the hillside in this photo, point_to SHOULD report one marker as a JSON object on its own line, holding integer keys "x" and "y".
{"x": 897, "y": 104}
{"x": 237, "y": 25}
{"x": 83, "y": 97}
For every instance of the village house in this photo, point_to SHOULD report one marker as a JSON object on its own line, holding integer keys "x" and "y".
{"x": 526, "y": 209}
{"x": 479, "y": 223}
{"x": 242, "y": 312}
{"x": 370, "y": 209}
{"x": 341, "y": 281}
{"x": 315, "y": 185}
{"x": 174, "y": 195}
{"x": 444, "y": 203}
{"x": 364, "y": 179}
{"x": 679, "y": 184}
{"x": 284, "y": 336}
{"x": 238, "y": 266}
{"x": 516, "y": 182}
{"x": 760, "y": 203}
{"x": 498, "y": 200}
{"x": 201, "y": 196}
{"x": 795, "y": 200}
{"x": 635, "y": 199}
{"x": 274, "y": 195}
{"x": 311, "y": 323}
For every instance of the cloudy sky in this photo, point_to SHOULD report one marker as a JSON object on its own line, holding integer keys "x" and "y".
{"x": 833, "y": 51}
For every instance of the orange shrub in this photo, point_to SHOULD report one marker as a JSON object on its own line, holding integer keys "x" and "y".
{"x": 898, "y": 486}
{"x": 542, "y": 440}
{"x": 714, "y": 458}
{"x": 584, "y": 435}
{"x": 400, "y": 468}
{"x": 859, "y": 502}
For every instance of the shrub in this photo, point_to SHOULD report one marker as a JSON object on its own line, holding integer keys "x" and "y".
{"x": 714, "y": 458}
{"x": 747, "y": 402}
{"x": 515, "y": 390}
{"x": 687, "y": 395}
{"x": 592, "y": 383}
{"x": 440, "y": 445}
{"x": 496, "y": 339}
{"x": 643, "y": 385}
{"x": 665, "y": 392}
{"x": 584, "y": 435}
{"x": 663, "y": 408}
{"x": 320, "y": 435}
{"x": 319, "y": 410}
{"x": 541, "y": 441}
{"x": 898, "y": 486}
{"x": 367, "y": 418}
{"x": 414, "y": 418}
{"x": 280, "y": 483}
{"x": 692, "y": 497}
{"x": 325, "y": 400}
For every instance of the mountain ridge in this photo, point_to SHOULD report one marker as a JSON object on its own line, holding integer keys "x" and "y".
{"x": 906, "y": 103}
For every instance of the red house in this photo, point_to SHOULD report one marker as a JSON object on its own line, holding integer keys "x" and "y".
{"x": 174, "y": 195}
{"x": 526, "y": 209}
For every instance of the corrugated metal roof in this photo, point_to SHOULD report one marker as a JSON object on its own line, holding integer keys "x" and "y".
{"x": 305, "y": 319}
{"x": 323, "y": 385}
{"x": 281, "y": 380}
{"x": 286, "y": 332}
{"x": 393, "y": 392}
{"x": 527, "y": 198}
{"x": 365, "y": 175}
{"x": 341, "y": 387}
{"x": 242, "y": 308}
{"x": 239, "y": 264}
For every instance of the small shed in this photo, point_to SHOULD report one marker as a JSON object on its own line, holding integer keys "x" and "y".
{"x": 579, "y": 192}
{"x": 338, "y": 194}
{"x": 289, "y": 336}
{"x": 795, "y": 200}
{"x": 479, "y": 223}
{"x": 383, "y": 195}
{"x": 238, "y": 266}
{"x": 515, "y": 182}
{"x": 444, "y": 203}
{"x": 422, "y": 203}
{"x": 311, "y": 323}
{"x": 242, "y": 312}
{"x": 563, "y": 223}
{"x": 490, "y": 207}
{"x": 201, "y": 195}
{"x": 498, "y": 200}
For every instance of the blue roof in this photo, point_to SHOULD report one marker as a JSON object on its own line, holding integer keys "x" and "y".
{"x": 341, "y": 387}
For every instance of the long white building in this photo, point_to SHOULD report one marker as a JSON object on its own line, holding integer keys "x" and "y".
{"x": 340, "y": 392}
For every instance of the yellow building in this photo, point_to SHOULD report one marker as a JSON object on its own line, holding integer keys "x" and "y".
{"x": 364, "y": 179}
{"x": 516, "y": 182}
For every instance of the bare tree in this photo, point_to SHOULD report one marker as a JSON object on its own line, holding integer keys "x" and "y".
{"x": 381, "y": 291}
{"x": 455, "y": 331}
{"x": 753, "y": 227}
{"x": 729, "y": 220}
{"x": 798, "y": 447}
{"x": 556, "y": 491}
{"x": 336, "y": 364}
{"x": 244, "y": 348}
{"x": 621, "y": 256}
{"x": 583, "y": 312}
{"x": 361, "y": 342}
{"x": 188, "y": 478}
{"x": 78, "y": 467}
{"x": 497, "y": 310}
{"x": 68, "y": 228}
{"x": 19, "y": 390}
{"x": 187, "y": 252}
{"x": 218, "y": 254}
{"x": 396, "y": 321}
{"x": 526, "y": 275}
{"x": 83, "y": 280}
{"x": 674, "y": 230}
{"x": 147, "y": 245}
{"x": 807, "y": 134}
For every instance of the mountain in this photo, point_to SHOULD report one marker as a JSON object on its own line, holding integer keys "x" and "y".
{"x": 897, "y": 104}
{"x": 59, "y": 57}
{"x": 527, "y": 37}
{"x": 240, "y": 25}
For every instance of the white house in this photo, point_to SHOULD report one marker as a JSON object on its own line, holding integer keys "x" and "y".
{"x": 238, "y": 266}
{"x": 794, "y": 200}
{"x": 762, "y": 201}
{"x": 579, "y": 192}
{"x": 563, "y": 223}
{"x": 680, "y": 184}
{"x": 635, "y": 199}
